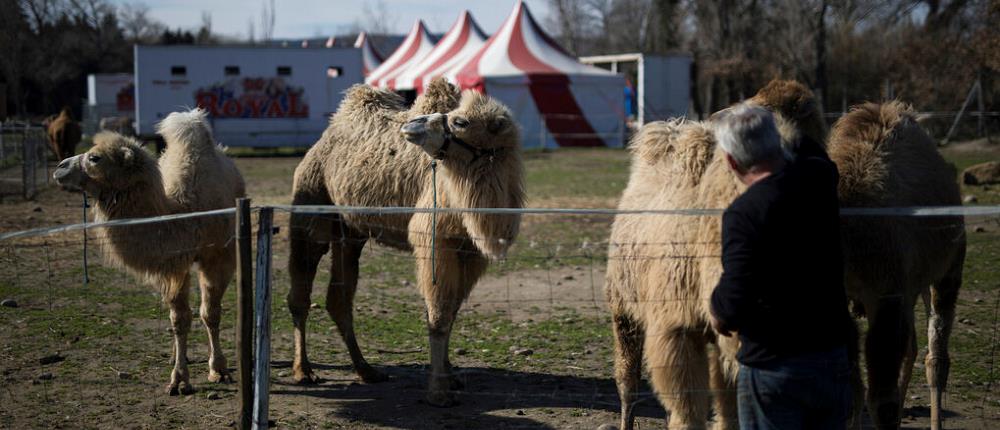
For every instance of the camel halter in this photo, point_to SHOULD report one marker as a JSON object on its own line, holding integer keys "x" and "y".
{"x": 449, "y": 137}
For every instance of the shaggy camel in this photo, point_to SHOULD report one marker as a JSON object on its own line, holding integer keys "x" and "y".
{"x": 363, "y": 159}
{"x": 192, "y": 175}
{"x": 64, "y": 134}
{"x": 887, "y": 160}
{"x": 662, "y": 269}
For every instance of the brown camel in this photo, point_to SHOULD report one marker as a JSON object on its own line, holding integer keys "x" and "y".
{"x": 887, "y": 160}
{"x": 64, "y": 134}
{"x": 363, "y": 159}
{"x": 192, "y": 175}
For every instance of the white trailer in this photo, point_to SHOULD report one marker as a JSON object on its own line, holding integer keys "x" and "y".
{"x": 664, "y": 83}
{"x": 255, "y": 96}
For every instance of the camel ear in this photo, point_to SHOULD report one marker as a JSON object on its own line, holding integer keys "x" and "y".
{"x": 128, "y": 154}
{"x": 497, "y": 125}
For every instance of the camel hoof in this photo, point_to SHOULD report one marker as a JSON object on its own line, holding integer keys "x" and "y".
{"x": 441, "y": 399}
{"x": 456, "y": 384}
{"x": 217, "y": 377}
{"x": 372, "y": 376}
{"x": 306, "y": 378}
{"x": 180, "y": 388}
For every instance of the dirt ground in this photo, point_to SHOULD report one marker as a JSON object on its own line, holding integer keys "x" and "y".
{"x": 111, "y": 339}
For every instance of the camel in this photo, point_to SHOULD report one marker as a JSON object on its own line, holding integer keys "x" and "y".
{"x": 64, "y": 134}
{"x": 118, "y": 124}
{"x": 662, "y": 269}
{"x": 192, "y": 175}
{"x": 365, "y": 159}
{"x": 886, "y": 160}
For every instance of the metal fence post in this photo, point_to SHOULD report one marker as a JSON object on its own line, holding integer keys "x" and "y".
{"x": 244, "y": 312}
{"x": 28, "y": 164}
{"x": 262, "y": 300}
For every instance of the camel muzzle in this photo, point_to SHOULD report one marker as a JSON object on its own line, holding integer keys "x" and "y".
{"x": 67, "y": 173}
{"x": 415, "y": 130}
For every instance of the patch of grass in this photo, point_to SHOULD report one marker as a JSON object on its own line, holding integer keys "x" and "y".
{"x": 584, "y": 174}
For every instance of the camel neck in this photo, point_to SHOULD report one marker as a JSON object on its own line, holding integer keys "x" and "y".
{"x": 140, "y": 200}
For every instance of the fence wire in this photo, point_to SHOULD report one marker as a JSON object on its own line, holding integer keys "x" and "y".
{"x": 24, "y": 156}
{"x": 532, "y": 344}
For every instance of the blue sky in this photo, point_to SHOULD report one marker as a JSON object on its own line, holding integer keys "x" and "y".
{"x": 311, "y": 18}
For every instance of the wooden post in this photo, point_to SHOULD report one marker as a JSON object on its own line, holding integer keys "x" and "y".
{"x": 86, "y": 266}
{"x": 982, "y": 108}
{"x": 968, "y": 98}
{"x": 244, "y": 312}
{"x": 262, "y": 301}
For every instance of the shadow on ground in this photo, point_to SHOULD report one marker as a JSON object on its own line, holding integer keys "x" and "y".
{"x": 492, "y": 399}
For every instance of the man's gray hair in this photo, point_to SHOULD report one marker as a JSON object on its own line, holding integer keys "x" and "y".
{"x": 748, "y": 133}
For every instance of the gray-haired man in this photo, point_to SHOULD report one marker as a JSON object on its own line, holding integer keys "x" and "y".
{"x": 782, "y": 284}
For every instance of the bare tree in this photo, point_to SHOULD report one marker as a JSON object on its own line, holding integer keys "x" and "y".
{"x": 250, "y": 31}
{"x": 136, "y": 24}
{"x": 267, "y": 19}
{"x": 377, "y": 18}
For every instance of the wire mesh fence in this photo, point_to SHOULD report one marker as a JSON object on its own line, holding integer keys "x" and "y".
{"x": 532, "y": 344}
{"x": 23, "y": 159}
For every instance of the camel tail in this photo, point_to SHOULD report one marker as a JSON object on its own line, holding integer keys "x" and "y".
{"x": 188, "y": 130}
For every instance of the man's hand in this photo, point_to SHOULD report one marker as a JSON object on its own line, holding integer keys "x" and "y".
{"x": 717, "y": 326}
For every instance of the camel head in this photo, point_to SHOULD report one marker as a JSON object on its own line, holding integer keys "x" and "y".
{"x": 114, "y": 162}
{"x": 797, "y": 108}
{"x": 480, "y": 127}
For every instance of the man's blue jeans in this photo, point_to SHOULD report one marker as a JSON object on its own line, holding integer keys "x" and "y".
{"x": 810, "y": 391}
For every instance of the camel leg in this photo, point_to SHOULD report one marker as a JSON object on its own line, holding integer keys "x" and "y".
{"x": 305, "y": 252}
{"x": 723, "y": 388}
{"x": 176, "y": 296}
{"x": 857, "y": 385}
{"x": 213, "y": 279}
{"x": 906, "y": 372}
{"x": 628, "y": 365}
{"x": 458, "y": 268}
{"x": 344, "y": 258}
{"x": 944, "y": 295}
{"x": 890, "y": 321}
{"x": 678, "y": 367}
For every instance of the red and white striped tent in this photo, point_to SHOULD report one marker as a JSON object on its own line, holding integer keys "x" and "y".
{"x": 461, "y": 42}
{"x": 415, "y": 47}
{"x": 370, "y": 58}
{"x": 557, "y": 100}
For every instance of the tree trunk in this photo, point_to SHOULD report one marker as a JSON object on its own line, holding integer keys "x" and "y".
{"x": 820, "y": 86}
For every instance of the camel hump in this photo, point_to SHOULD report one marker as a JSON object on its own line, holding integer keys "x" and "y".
{"x": 787, "y": 97}
{"x": 862, "y": 141}
{"x": 364, "y": 99}
{"x": 439, "y": 97}
{"x": 684, "y": 146}
{"x": 187, "y": 130}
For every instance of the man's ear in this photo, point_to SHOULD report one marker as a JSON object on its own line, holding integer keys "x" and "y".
{"x": 733, "y": 164}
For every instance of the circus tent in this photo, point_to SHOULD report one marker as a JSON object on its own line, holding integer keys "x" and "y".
{"x": 462, "y": 41}
{"x": 370, "y": 58}
{"x": 557, "y": 100}
{"x": 415, "y": 47}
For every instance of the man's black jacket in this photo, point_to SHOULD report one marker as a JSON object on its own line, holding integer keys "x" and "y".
{"x": 782, "y": 287}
